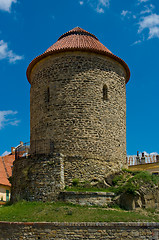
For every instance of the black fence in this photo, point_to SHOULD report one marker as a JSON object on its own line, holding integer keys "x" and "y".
{"x": 34, "y": 148}
{"x": 42, "y": 146}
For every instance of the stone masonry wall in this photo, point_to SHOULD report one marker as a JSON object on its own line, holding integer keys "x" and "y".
{"x": 87, "y": 198}
{"x": 67, "y": 107}
{"x": 42, "y": 178}
{"x": 77, "y": 231}
{"x": 38, "y": 178}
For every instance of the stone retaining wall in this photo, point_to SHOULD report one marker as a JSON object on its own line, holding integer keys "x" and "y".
{"x": 87, "y": 198}
{"x": 77, "y": 231}
{"x": 43, "y": 178}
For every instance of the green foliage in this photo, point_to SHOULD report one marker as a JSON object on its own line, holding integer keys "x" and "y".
{"x": 130, "y": 187}
{"x": 86, "y": 189}
{"x": 117, "y": 179}
{"x": 150, "y": 210}
{"x": 84, "y": 186}
{"x": 9, "y": 203}
{"x": 130, "y": 171}
{"x": 75, "y": 182}
{"x": 146, "y": 177}
{"x": 130, "y": 182}
{"x": 125, "y": 182}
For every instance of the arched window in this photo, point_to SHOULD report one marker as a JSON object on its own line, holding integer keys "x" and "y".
{"x": 105, "y": 93}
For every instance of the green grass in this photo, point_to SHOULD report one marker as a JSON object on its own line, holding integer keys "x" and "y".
{"x": 86, "y": 189}
{"x": 62, "y": 212}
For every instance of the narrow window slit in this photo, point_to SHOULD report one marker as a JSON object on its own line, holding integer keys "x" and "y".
{"x": 105, "y": 93}
{"x": 48, "y": 94}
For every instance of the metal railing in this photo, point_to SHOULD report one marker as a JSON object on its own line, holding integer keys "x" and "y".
{"x": 42, "y": 146}
{"x": 136, "y": 160}
{"x": 23, "y": 150}
{"x": 34, "y": 148}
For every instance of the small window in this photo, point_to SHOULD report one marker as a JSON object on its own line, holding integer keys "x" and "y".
{"x": 105, "y": 93}
{"x": 7, "y": 195}
{"x": 48, "y": 95}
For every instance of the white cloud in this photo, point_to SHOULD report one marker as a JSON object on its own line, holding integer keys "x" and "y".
{"x": 5, "y": 53}
{"x": 99, "y": 5}
{"x": 148, "y": 9}
{"x": 153, "y": 32}
{"x": 14, "y": 122}
{"x": 99, "y": 9}
{"x": 104, "y": 3}
{"x": 5, "y": 153}
{"x": 5, "y": 5}
{"x": 4, "y": 118}
{"x": 145, "y": 18}
{"x": 142, "y": 1}
{"x": 125, "y": 13}
{"x": 81, "y": 2}
{"x": 136, "y": 42}
{"x": 150, "y": 22}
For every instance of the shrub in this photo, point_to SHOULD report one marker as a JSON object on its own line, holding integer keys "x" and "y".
{"x": 130, "y": 182}
{"x": 146, "y": 177}
{"x": 75, "y": 182}
{"x": 116, "y": 179}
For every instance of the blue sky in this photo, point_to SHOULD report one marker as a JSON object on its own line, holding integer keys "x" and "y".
{"x": 130, "y": 29}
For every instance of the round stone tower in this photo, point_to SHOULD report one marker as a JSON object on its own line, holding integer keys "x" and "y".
{"x": 78, "y": 105}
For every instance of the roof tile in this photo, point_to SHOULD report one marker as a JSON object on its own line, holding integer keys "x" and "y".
{"x": 6, "y": 163}
{"x": 78, "y": 39}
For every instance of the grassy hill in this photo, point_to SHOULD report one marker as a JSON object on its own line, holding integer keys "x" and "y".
{"x": 62, "y": 212}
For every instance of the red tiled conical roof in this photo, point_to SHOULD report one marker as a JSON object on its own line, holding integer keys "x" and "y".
{"x": 78, "y": 39}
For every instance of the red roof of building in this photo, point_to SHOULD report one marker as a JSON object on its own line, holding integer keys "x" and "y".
{"x": 6, "y": 164}
{"x": 78, "y": 39}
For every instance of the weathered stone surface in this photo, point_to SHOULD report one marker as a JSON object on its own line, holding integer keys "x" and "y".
{"x": 42, "y": 179}
{"x": 77, "y": 231}
{"x": 38, "y": 179}
{"x": 67, "y": 107}
{"x": 87, "y": 198}
{"x": 70, "y": 114}
{"x": 147, "y": 198}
